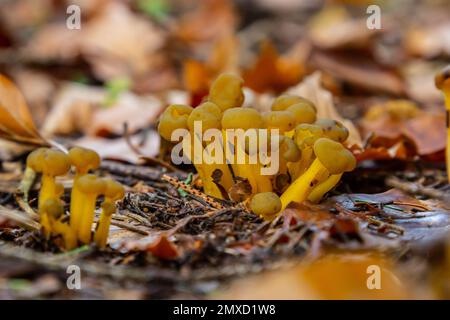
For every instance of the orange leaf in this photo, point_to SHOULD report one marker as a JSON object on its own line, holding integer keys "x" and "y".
{"x": 271, "y": 72}
{"x": 16, "y": 122}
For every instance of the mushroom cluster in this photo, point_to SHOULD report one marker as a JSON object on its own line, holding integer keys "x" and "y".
{"x": 310, "y": 151}
{"x": 86, "y": 189}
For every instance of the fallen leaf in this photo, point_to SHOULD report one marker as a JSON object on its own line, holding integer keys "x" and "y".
{"x": 272, "y": 72}
{"x": 360, "y": 71}
{"x": 16, "y": 122}
{"x": 164, "y": 249}
{"x": 118, "y": 43}
{"x": 397, "y": 118}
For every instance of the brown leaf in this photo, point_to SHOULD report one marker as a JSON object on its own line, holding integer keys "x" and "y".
{"x": 16, "y": 122}
{"x": 272, "y": 72}
{"x": 401, "y": 118}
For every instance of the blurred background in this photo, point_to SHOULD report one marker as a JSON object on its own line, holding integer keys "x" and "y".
{"x": 103, "y": 83}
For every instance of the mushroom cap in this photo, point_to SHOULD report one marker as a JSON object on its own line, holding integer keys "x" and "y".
{"x": 265, "y": 204}
{"x": 226, "y": 91}
{"x": 442, "y": 79}
{"x": 283, "y": 120}
{"x": 84, "y": 159}
{"x": 333, "y": 129}
{"x": 35, "y": 159}
{"x": 303, "y": 112}
{"x": 306, "y": 134}
{"x": 208, "y": 113}
{"x": 333, "y": 156}
{"x": 90, "y": 183}
{"x": 288, "y": 149}
{"x": 286, "y": 100}
{"x": 242, "y": 118}
{"x": 174, "y": 117}
{"x": 53, "y": 208}
{"x": 49, "y": 162}
{"x": 114, "y": 190}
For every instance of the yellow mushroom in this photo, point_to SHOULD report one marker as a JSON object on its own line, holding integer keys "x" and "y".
{"x": 83, "y": 160}
{"x": 90, "y": 187}
{"x": 114, "y": 191}
{"x": 54, "y": 211}
{"x": 50, "y": 163}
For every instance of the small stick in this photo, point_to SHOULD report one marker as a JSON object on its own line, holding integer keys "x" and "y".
{"x": 178, "y": 184}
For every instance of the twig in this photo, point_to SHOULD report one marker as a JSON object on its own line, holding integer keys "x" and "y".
{"x": 179, "y": 184}
{"x": 415, "y": 188}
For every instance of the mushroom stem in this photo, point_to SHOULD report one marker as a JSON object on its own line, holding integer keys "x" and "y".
{"x": 297, "y": 168}
{"x": 85, "y": 228}
{"x": 300, "y": 189}
{"x": 48, "y": 189}
{"x": 76, "y": 205}
{"x": 101, "y": 234}
{"x": 318, "y": 192}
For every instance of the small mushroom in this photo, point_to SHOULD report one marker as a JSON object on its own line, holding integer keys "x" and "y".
{"x": 114, "y": 191}
{"x": 83, "y": 160}
{"x": 51, "y": 163}
{"x": 90, "y": 187}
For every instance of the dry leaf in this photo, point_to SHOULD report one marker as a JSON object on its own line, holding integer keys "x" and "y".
{"x": 311, "y": 89}
{"x": 16, "y": 122}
